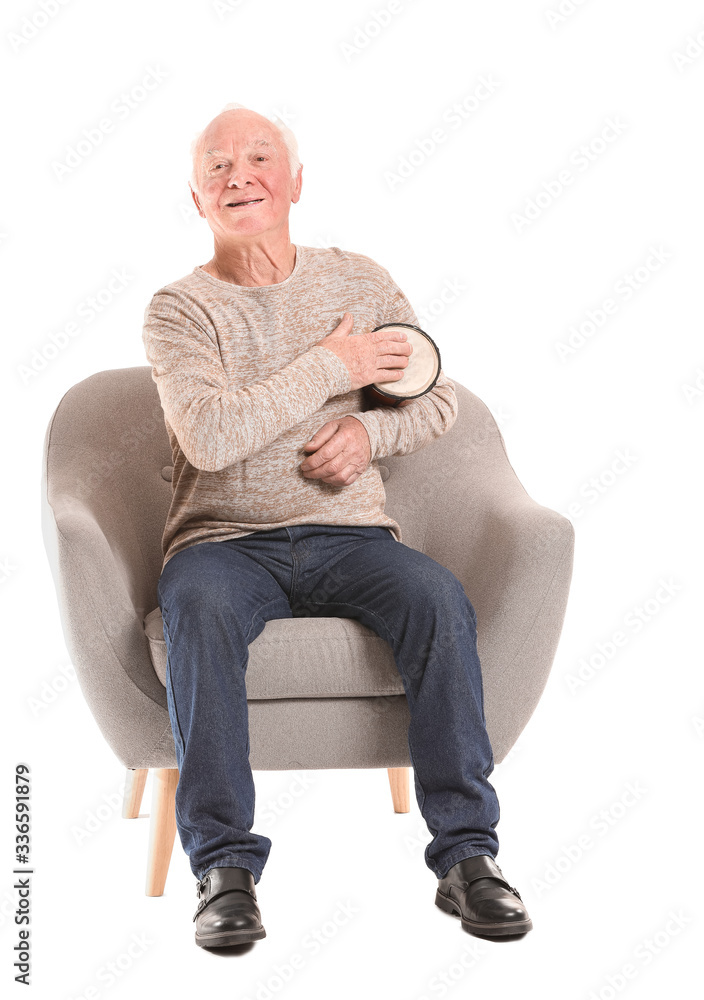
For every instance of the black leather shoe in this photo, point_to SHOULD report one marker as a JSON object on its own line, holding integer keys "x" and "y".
{"x": 476, "y": 891}
{"x": 227, "y": 912}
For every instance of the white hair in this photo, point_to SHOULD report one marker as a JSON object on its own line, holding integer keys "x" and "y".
{"x": 287, "y": 137}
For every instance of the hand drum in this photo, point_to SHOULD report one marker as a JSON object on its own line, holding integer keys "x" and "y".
{"x": 419, "y": 376}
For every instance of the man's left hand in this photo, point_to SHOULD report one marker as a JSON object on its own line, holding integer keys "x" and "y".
{"x": 340, "y": 452}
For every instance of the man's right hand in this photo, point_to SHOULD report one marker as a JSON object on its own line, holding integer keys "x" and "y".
{"x": 370, "y": 357}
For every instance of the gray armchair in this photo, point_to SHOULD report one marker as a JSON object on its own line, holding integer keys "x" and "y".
{"x": 340, "y": 703}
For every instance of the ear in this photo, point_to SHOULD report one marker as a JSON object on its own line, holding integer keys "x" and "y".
{"x": 195, "y": 199}
{"x": 297, "y": 186}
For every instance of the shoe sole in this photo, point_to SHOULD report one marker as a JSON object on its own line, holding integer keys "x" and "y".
{"x": 503, "y": 928}
{"x": 226, "y": 938}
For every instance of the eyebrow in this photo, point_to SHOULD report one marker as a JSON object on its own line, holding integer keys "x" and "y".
{"x": 255, "y": 142}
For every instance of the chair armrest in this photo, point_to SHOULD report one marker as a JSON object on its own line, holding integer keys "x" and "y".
{"x": 481, "y": 523}
{"x": 514, "y": 558}
{"x": 506, "y": 553}
{"x": 103, "y": 632}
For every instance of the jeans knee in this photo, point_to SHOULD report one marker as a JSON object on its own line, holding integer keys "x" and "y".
{"x": 447, "y": 595}
{"x": 193, "y": 592}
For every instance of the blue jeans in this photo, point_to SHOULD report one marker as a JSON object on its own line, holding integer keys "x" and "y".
{"x": 215, "y": 599}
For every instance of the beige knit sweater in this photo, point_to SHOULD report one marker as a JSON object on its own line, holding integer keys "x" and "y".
{"x": 243, "y": 387}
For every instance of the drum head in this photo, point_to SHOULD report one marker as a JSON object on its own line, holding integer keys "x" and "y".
{"x": 421, "y": 373}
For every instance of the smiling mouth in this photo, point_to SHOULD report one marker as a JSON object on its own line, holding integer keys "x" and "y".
{"x": 244, "y": 204}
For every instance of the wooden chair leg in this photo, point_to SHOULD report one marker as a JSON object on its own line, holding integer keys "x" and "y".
{"x": 398, "y": 779}
{"x": 162, "y": 828}
{"x": 135, "y": 780}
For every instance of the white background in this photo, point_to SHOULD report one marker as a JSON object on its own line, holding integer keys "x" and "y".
{"x": 360, "y": 98}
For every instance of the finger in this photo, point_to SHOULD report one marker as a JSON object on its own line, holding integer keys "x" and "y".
{"x": 345, "y": 477}
{"x": 313, "y": 473}
{"x": 318, "y": 466}
{"x": 324, "y": 472}
{"x": 397, "y": 347}
{"x": 321, "y": 457}
{"x": 322, "y": 435}
{"x": 387, "y": 334}
{"x": 324, "y": 465}
{"x": 392, "y": 360}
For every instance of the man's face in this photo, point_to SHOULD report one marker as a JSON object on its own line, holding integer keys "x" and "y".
{"x": 245, "y": 179}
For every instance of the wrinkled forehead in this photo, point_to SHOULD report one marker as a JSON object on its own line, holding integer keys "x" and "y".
{"x": 230, "y": 137}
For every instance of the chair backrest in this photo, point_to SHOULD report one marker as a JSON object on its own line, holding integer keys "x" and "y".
{"x": 108, "y": 449}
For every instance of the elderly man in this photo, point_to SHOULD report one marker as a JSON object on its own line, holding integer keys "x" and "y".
{"x": 260, "y": 357}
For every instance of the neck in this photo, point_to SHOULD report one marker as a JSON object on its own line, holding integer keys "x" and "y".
{"x": 253, "y": 264}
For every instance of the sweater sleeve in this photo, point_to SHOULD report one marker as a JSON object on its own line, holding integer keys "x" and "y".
{"x": 401, "y": 430}
{"x": 214, "y": 425}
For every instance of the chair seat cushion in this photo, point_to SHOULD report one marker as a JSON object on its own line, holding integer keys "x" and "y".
{"x": 305, "y": 658}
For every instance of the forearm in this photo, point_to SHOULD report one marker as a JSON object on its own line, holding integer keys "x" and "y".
{"x": 402, "y": 430}
{"x": 215, "y": 425}
{"x": 229, "y": 426}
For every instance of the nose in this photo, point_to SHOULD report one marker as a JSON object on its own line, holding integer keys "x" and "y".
{"x": 236, "y": 180}
{"x": 238, "y": 175}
